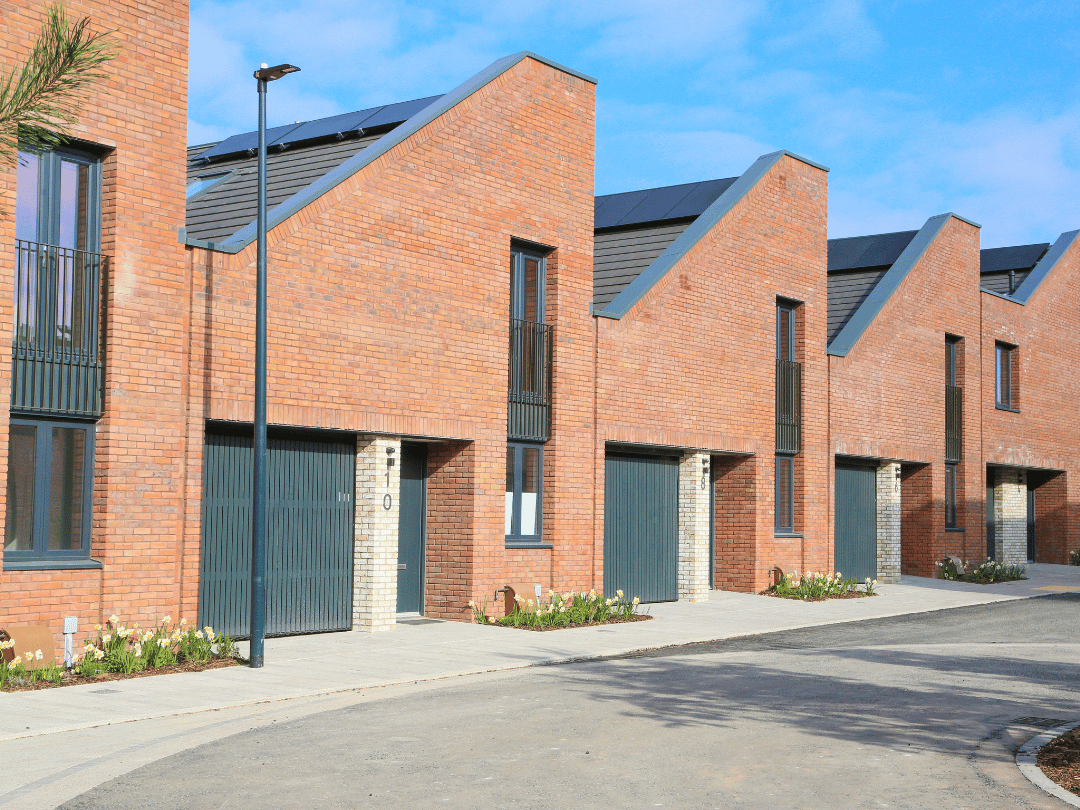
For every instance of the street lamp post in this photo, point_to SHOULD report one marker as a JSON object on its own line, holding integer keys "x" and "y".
{"x": 263, "y": 76}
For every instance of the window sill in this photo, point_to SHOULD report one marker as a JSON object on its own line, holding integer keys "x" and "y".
{"x": 955, "y": 529}
{"x": 787, "y": 534}
{"x": 56, "y": 564}
{"x": 527, "y": 544}
{"x": 1010, "y": 410}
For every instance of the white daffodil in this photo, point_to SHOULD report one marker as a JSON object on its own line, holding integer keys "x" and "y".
{"x": 114, "y": 619}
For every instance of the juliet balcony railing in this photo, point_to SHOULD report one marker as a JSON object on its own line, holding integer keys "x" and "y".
{"x": 57, "y": 357}
{"x": 788, "y": 406}
{"x": 529, "y": 396}
{"x": 954, "y": 423}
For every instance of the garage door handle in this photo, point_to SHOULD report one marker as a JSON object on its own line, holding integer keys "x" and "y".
{"x": 401, "y": 566}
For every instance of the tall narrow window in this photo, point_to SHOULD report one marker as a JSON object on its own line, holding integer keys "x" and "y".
{"x": 785, "y": 494}
{"x": 49, "y": 489}
{"x": 527, "y": 284}
{"x": 524, "y": 490}
{"x": 950, "y": 359}
{"x": 1005, "y": 374}
{"x": 950, "y": 496}
{"x": 785, "y": 331}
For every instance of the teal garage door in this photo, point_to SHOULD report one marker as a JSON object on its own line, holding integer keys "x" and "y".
{"x": 856, "y": 521}
{"x": 309, "y": 536}
{"x": 641, "y": 527}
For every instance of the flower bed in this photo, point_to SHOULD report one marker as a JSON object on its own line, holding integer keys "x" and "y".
{"x": 814, "y": 587}
{"x": 1060, "y": 760}
{"x": 564, "y": 611}
{"x": 118, "y": 651}
{"x": 988, "y": 573}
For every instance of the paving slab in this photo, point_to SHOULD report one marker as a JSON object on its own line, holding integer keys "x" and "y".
{"x": 329, "y": 663}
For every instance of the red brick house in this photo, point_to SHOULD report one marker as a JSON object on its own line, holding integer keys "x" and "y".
{"x": 480, "y": 374}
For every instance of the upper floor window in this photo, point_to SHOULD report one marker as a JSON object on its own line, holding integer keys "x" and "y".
{"x": 952, "y": 348}
{"x": 785, "y": 331}
{"x": 58, "y": 199}
{"x": 527, "y": 285}
{"x": 1005, "y": 376}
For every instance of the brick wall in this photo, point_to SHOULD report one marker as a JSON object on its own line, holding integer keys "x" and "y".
{"x": 693, "y": 364}
{"x": 735, "y": 523}
{"x": 887, "y": 396}
{"x": 389, "y": 307}
{"x": 1045, "y": 434}
{"x": 139, "y": 114}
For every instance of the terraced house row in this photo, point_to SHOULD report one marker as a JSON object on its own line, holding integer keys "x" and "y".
{"x": 481, "y": 374}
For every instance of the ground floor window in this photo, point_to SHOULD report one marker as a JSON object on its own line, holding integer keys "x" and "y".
{"x": 785, "y": 494}
{"x": 49, "y": 489}
{"x": 524, "y": 491}
{"x": 950, "y": 496}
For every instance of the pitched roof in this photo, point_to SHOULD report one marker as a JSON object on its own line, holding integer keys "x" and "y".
{"x": 1017, "y": 257}
{"x": 633, "y": 228}
{"x": 636, "y": 208}
{"x": 879, "y": 250}
{"x": 390, "y": 135}
{"x": 636, "y": 224}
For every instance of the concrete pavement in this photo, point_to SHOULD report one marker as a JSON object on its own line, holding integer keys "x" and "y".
{"x": 915, "y": 711}
{"x": 330, "y": 663}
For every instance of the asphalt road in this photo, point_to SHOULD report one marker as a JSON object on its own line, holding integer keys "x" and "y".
{"x": 919, "y": 711}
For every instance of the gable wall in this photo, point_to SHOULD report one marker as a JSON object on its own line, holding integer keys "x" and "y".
{"x": 389, "y": 301}
{"x": 887, "y": 396}
{"x": 1045, "y": 434}
{"x": 693, "y": 363}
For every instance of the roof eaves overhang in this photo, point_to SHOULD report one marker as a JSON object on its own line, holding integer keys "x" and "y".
{"x": 305, "y": 196}
{"x": 1041, "y": 270}
{"x": 699, "y": 228}
{"x": 890, "y": 283}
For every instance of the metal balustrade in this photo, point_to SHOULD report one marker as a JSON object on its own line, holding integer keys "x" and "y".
{"x": 788, "y": 406}
{"x": 57, "y": 350}
{"x": 954, "y": 423}
{"x": 529, "y": 396}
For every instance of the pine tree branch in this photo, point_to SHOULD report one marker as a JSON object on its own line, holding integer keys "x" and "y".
{"x": 39, "y": 102}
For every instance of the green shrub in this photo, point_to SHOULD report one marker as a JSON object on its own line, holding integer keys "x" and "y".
{"x": 986, "y": 573}
{"x": 1074, "y": 557}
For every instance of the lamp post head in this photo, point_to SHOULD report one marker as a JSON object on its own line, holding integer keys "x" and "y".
{"x": 270, "y": 74}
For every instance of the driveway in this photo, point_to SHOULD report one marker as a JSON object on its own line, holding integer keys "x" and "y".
{"x": 907, "y": 712}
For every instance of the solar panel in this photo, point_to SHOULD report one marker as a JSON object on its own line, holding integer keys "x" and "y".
{"x": 656, "y": 204}
{"x": 878, "y": 250}
{"x": 248, "y": 140}
{"x": 616, "y": 206}
{"x": 396, "y": 113}
{"x": 700, "y": 197}
{"x": 326, "y": 127}
{"x": 1018, "y": 257}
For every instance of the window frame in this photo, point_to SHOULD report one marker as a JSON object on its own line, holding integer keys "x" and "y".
{"x": 785, "y": 341}
{"x": 212, "y": 180}
{"x": 952, "y": 344}
{"x": 49, "y": 200}
{"x": 514, "y": 536}
{"x": 40, "y": 555}
{"x": 950, "y": 496}
{"x": 518, "y": 255}
{"x": 780, "y": 525}
{"x": 1004, "y": 376}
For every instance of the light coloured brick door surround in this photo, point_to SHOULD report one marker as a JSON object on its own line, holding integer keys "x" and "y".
{"x": 1010, "y": 516}
{"x": 888, "y": 522}
{"x": 378, "y": 477}
{"x": 694, "y": 493}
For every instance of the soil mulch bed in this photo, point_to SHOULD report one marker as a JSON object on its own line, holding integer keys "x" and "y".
{"x": 1060, "y": 760}
{"x": 986, "y": 581}
{"x": 853, "y": 595}
{"x": 71, "y": 679}
{"x": 641, "y": 617}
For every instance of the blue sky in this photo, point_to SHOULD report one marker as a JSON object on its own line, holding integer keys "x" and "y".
{"x": 918, "y": 106}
